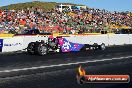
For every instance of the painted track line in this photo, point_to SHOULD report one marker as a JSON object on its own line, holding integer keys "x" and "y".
{"x": 60, "y": 65}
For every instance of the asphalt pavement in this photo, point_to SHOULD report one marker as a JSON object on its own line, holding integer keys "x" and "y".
{"x": 20, "y": 70}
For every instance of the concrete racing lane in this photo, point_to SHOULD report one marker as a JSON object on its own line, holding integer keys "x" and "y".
{"x": 23, "y": 60}
{"x": 59, "y": 70}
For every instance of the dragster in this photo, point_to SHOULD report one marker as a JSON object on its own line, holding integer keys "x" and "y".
{"x": 38, "y": 43}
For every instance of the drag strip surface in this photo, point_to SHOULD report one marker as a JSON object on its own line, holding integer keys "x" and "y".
{"x": 66, "y": 78}
{"x": 23, "y": 60}
{"x": 59, "y": 70}
{"x": 67, "y": 64}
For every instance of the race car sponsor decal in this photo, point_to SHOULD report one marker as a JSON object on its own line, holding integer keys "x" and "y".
{"x": 67, "y": 46}
{"x": 1, "y": 44}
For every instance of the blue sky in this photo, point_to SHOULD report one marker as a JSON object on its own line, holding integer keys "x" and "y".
{"x": 111, "y": 5}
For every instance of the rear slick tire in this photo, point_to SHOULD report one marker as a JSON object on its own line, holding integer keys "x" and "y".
{"x": 102, "y": 46}
{"x": 95, "y": 46}
{"x": 31, "y": 48}
{"x": 41, "y": 49}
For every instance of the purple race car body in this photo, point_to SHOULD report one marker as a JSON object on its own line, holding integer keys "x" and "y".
{"x": 67, "y": 46}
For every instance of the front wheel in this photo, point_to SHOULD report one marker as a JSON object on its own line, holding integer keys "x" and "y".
{"x": 41, "y": 49}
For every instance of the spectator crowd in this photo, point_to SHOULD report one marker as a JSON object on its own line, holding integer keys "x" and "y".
{"x": 82, "y": 21}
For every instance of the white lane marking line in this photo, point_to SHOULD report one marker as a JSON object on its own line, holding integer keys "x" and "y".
{"x": 59, "y": 65}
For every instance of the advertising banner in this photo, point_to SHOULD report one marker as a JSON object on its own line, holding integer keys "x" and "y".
{"x": 1, "y": 44}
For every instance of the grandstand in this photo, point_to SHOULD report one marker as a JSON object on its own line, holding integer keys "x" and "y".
{"x": 52, "y": 17}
